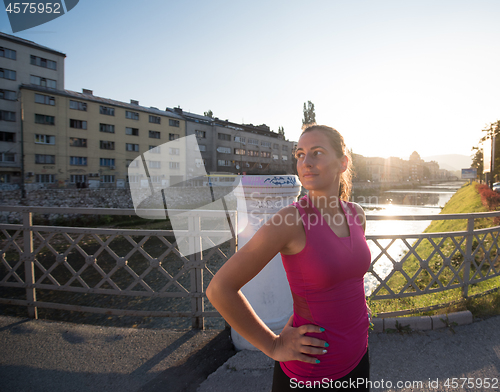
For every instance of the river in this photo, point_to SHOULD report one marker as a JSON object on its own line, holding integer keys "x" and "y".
{"x": 426, "y": 200}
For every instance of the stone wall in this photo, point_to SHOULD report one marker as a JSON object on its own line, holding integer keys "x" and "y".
{"x": 191, "y": 197}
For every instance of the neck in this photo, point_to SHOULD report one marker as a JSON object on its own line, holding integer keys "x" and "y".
{"x": 326, "y": 202}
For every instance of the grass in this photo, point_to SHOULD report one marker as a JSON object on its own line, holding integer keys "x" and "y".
{"x": 441, "y": 258}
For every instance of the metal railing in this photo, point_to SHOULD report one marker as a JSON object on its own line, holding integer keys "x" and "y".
{"x": 147, "y": 265}
{"x": 433, "y": 262}
{"x": 109, "y": 262}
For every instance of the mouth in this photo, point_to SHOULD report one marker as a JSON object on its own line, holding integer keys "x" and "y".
{"x": 308, "y": 175}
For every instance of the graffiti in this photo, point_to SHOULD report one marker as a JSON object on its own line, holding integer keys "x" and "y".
{"x": 288, "y": 180}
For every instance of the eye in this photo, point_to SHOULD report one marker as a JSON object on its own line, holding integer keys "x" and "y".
{"x": 317, "y": 152}
{"x": 299, "y": 155}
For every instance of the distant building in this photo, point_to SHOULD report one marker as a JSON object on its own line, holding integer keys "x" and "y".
{"x": 21, "y": 62}
{"x": 238, "y": 148}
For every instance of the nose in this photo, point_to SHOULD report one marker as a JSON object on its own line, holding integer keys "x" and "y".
{"x": 307, "y": 160}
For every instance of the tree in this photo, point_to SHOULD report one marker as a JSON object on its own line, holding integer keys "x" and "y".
{"x": 492, "y": 132}
{"x": 209, "y": 114}
{"x": 281, "y": 131}
{"x": 309, "y": 115}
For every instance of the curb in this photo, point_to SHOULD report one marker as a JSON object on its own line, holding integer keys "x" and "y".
{"x": 423, "y": 323}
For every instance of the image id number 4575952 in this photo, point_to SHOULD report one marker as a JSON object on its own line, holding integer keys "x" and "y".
{"x": 33, "y": 8}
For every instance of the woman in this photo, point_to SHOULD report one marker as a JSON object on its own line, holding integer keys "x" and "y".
{"x": 324, "y": 252}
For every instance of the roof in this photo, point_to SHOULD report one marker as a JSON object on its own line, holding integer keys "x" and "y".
{"x": 22, "y": 41}
{"x": 107, "y": 101}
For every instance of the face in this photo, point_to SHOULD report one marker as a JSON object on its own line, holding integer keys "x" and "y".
{"x": 318, "y": 166}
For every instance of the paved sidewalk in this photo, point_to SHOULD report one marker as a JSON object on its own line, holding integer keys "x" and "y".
{"x": 39, "y": 356}
{"x": 425, "y": 359}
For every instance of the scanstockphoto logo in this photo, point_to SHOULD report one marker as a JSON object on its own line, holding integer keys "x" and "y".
{"x": 161, "y": 183}
{"x": 23, "y": 16}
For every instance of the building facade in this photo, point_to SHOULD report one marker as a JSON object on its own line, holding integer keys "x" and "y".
{"x": 21, "y": 62}
{"x": 75, "y": 139}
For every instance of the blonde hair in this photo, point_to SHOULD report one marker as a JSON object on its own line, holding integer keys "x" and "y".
{"x": 338, "y": 144}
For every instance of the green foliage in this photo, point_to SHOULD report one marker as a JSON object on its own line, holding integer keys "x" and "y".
{"x": 209, "y": 113}
{"x": 309, "y": 114}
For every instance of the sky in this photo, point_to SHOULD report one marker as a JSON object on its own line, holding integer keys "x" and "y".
{"x": 392, "y": 76}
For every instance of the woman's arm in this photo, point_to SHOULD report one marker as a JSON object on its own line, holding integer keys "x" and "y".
{"x": 225, "y": 294}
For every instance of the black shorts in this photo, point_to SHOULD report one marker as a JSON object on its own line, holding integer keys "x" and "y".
{"x": 283, "y": 383}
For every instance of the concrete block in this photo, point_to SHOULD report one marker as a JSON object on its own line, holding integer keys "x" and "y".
{"x": 422, "y": 323}
{"x": 378, "y": 325}
{"x": 458, "y": 318}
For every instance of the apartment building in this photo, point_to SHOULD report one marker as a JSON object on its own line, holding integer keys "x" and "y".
{"x": 73, "y": 139}
{"x": 21, "y": 62}
{"x": 238, "y": 148}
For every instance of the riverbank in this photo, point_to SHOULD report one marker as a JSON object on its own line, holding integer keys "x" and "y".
{"x": 465, "y": 200}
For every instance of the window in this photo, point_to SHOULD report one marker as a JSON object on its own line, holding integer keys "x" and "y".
{"x": 78, "y": 105}
{"x": 224, "y": 150}
{"x": 7, "y": 157}
{"x": 76, "y": 178}
{"x": 255, "y": 142}
{"x": 107, "y": 145}
{"x": 78, "y": 161}
{"x": 252, "y": 153}
{"x": 45, "y": 99}
{"x": 41, "y": 62}
{"x": 43, "y": 119}
{"x": 239, "y": 139}
{"x": 266, "y": 144}
{"x": 173, "y": 165}
{"x": 108, "y": 178}
{"x": 78, "y": 124}
{"x": 276, "y": 157}
{"x": 276, "y": 146}
{"x": 133, "y": 179}
{"x": 7, "y": 74}
{"x": 7, "y": 116}
{"x": 39, "y": 158}
{"x": 265, "y": 154}
{"x": 154, "y": 119}
{"x": 45, "y": 139}
{"x": 155, "y": 149}
{"x": 107, "y": 128}
{"x": 131, "y": 163}
{"x": 43, "y": 82}
{"x": 7, "y": 137}
{"x": 174, "y": 151}
{"x": 284, "y": 157}
{"x": 156, "y": 179}
{"x": 173, "y": 123}
{"x": 132, "y": 131}
{"x": 173, "y": 136}
{"x": 76, "y": 142}
{"x": 107, "y": 110}
{"x": 154, "y": 134}
{"x": 131, "y": 147}
{"x": 8, "y": 53}
{"x": 131, "y": 115}
{"x": 8, "y": 95}
{"x": 222, "y": 162}
{"x": 5, "y": 178}
{"x": 284, "y": 148}
{"x": 46, "y": 178}
{"x": 223, "y": 136}
{"x": 157, "y": 164}
{"x": 201, "y": 134}
{"x": 107, "y": 162}
{"x": 201, "y": 147}
{"x": 240, "y": 151}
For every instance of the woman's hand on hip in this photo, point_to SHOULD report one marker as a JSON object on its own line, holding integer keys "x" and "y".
{"x": 293, "y": 345}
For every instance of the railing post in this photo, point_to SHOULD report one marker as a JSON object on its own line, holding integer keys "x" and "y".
{"x": 197, "y": 306}
{"x": 468, "y": 257}
{"x": 29, "y": 263}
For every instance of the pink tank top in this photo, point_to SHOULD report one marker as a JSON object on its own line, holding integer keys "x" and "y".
{"x": 326, "y": 280}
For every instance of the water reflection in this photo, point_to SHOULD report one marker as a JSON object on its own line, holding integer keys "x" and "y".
{"x": 426, "y": 200}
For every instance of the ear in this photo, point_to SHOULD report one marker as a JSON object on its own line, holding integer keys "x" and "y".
{"x": 344, "y": 163}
